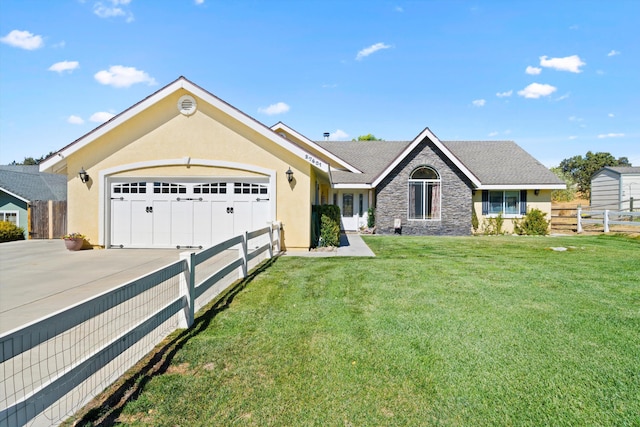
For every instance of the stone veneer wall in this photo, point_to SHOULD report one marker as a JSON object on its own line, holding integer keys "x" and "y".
{"x": 392, "y": 196}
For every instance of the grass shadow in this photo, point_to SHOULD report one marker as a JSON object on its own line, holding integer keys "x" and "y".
{"x": 106, "y": 408}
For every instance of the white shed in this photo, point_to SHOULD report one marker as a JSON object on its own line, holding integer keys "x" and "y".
{"x": 614, "y": 187}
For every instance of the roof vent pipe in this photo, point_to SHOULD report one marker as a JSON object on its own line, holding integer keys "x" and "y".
{"x": 326, "y": 136}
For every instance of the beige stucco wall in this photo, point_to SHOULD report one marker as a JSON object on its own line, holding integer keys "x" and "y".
{"x": 542, "y": 201}
{"x": 160, "y": 133}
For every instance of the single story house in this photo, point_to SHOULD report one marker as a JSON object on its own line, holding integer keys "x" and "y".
{"x": 184, "y": 168}
{"x": 613, "y": 187}
{"x": 22, "y": 187}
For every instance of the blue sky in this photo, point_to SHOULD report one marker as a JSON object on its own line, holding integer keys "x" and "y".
{"x": 558, "y": 77}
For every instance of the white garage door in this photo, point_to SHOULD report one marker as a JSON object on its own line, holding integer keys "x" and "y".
{"x": 170, "y": 214}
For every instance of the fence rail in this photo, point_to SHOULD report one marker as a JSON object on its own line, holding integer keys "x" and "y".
{"x": 607, "y": 218}
{"x": 52, "y": 367}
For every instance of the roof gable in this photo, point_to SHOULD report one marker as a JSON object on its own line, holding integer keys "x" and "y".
{"x": 426, "y": 134}
{"x": 283, "y": 130}
{"x": 52, "y": 163}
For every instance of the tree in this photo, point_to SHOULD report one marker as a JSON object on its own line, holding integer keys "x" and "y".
{"x": 569, "y": 193}
{"x": 368, "y": 137}
{"x": 30, "y": 161}
{"x": 581, "y": 169}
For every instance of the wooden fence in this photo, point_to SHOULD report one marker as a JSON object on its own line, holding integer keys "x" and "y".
{"x": 564, "y": 218}
{"x": 47, "y": 219}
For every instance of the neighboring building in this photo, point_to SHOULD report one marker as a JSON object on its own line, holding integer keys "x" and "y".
{"x": 184, "y": 168}
{"x": 614, "y": 187}
{"x": 21, "y": 186}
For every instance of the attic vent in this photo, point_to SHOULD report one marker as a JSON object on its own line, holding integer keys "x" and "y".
{"x": 187, "y": 105}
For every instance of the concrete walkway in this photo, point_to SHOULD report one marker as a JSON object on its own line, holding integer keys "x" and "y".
{"x": 350, "y": 245}
{"x": 40, "y": 277}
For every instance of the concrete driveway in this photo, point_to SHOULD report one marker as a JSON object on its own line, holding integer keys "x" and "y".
{"x": 40, "y": 277}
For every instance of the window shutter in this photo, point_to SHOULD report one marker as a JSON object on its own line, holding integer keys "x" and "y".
{"x": 523, "y": 202}
{"x": 485, "y": 202}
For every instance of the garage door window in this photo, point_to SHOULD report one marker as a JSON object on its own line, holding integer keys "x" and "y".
{"x": 168, "y": 188}
{"x": 249, "y": 188}
{"x": 212, "y": 188}
{"x": 130, "y": 188}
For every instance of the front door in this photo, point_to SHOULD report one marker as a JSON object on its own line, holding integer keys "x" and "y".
{"x": 353, "y": 209}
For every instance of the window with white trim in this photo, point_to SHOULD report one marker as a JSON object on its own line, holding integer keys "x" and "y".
{"x": 509, "y": 203}
{"x": 424, "y": 194}
{"x": 11, "y": 216}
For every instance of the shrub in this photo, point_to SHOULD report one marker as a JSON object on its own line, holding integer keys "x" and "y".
{"x": 534, "y": 223}
{"x": 329, "y": 231}
{"x": 474, "y": 220}
{"x": 371, "y": 218}
{"x": 10, "y": 232}
{"x": 493, "y": 226}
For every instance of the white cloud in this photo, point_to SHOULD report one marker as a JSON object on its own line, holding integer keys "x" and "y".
{"x": 59, "y": 45}
{"x": 113, "y": 9}
{"x": 611, "y": 135}
{"x": 198, "y": 2}
{"x": 338, "y": 135}
{"x": 75, "y": 120}
{"x": 572, "y": 137}
{"x": 600, "y": 72}
{"x": 537, "y": 90}
{"x": 63, "y": 66}
{"x": 568, "y": 63}
{"x": 563, "y": 97}
{"x": 101, "y": 117}
{"x": 273, "y": 109}
{"x": 479, "y": 102}
{"x": 330, "y": 85}
{"x": 120, "y": 76}
{"x": 399, "y": 9}
{"x": 613, "y": 53}
{"x": 494, "y": 133}
{"x": 611, "y": 115}
{"x": 23, "y": 40}
{"x": 371, "y": 49}
{"x": 504, "y": 94}
{"x": 574, "y": 27}
{"x": 533, "y": 70}
{"x": 575, "y": 119}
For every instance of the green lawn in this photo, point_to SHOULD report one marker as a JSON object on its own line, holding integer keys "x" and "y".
{"x": 476, "y": 331}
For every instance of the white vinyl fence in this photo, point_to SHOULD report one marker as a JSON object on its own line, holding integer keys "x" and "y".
{"x": 607, "y": 218}
{"x": 52, "y": 367}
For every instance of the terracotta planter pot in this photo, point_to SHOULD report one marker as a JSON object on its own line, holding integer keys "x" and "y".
{"x": 73, "y": 244}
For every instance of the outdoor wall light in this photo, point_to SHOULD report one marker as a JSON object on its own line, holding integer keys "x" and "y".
{"x": 84, "y": 176}
{"x": 536, "y": 192}
{"x": 289, "y": 175}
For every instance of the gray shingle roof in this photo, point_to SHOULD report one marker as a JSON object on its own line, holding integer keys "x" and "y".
{"x": 371, "y": 157}
{"x": 624, "y": 169}
{"x": 31, "y": 184}
{"x": 501, "y": 163}
{"x": 492, "y": 162}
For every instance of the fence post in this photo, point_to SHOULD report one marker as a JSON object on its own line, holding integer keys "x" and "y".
{"x": 187, "y": 289}
{"x": 606, "y": 220}
{"x": 278, "y": 244}
{"x": 245, "y": 255}
{"x": 579, "y": 213}
{"x": 270, "y": 241}
{"x": 631, "y": 204}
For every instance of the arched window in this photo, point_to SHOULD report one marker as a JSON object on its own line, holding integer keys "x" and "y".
{"x": 424, "y": 194}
